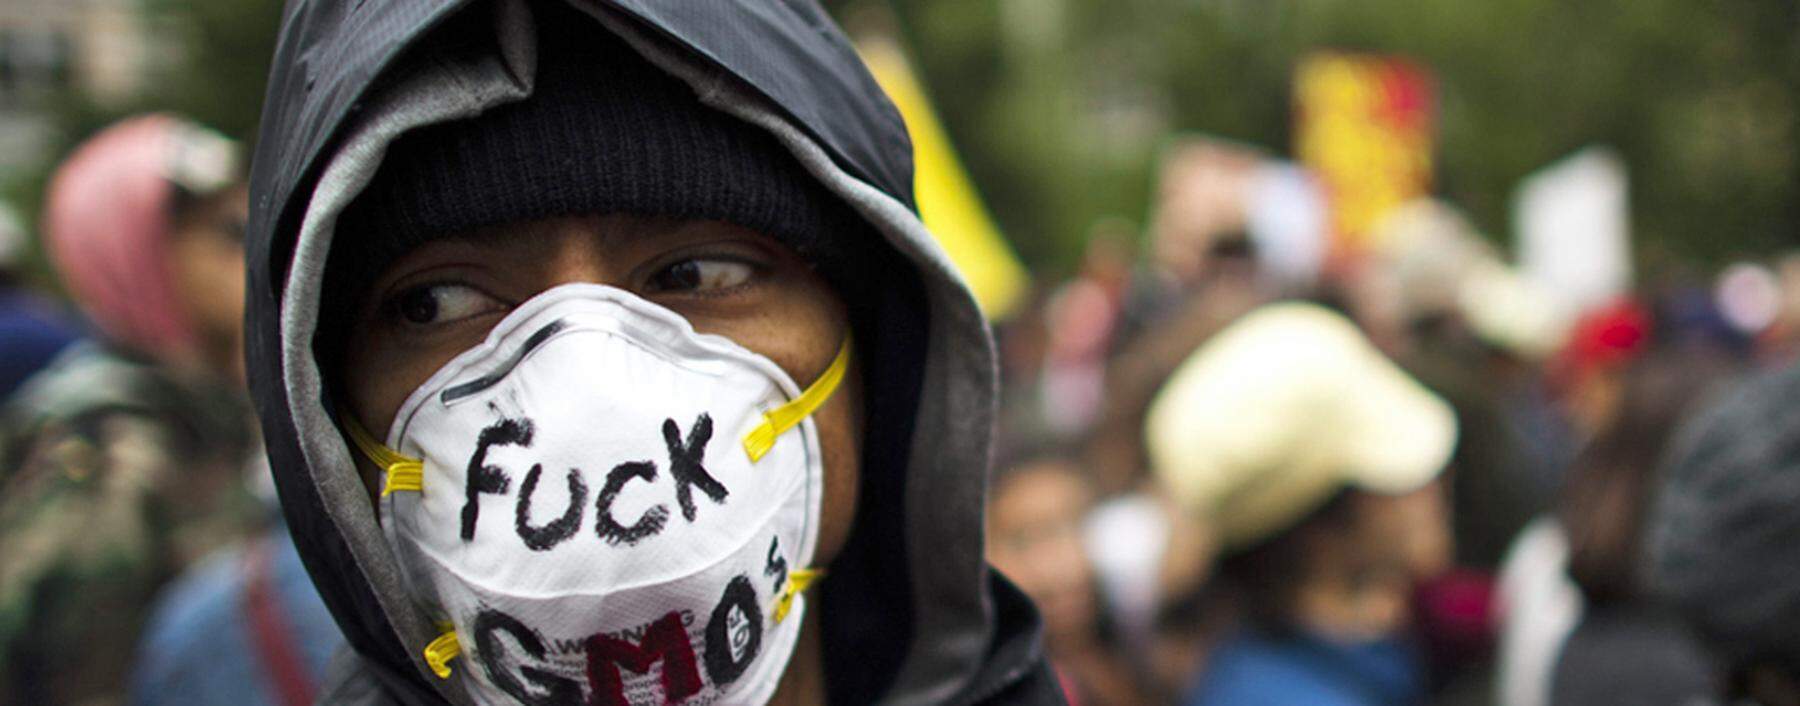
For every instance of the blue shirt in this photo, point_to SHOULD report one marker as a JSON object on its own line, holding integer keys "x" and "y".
{"x": 199, "y": 648}
{"x": 1254, "y": 669}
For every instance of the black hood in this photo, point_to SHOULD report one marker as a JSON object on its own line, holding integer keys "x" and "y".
{"x": 910, "y": 595}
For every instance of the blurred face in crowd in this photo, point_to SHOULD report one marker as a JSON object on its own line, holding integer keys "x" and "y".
{"x": 206, "y": 262}
{"x": 1034, "y": 537}
{"x": 1410, "y": 532}
{"x": 1593, "y": 400}
{"x": 1362, "y": 566}
{"x": 441, "y": 299}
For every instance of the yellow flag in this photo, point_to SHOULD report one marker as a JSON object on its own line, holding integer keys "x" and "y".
{"x": 947, "y": 200}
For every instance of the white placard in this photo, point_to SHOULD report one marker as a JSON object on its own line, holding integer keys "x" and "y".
{"x": 1573, "y": 234}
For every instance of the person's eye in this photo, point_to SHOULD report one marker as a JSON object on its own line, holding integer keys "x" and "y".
{"x": 442, "y": 303}
{"x": 702, "y": 275}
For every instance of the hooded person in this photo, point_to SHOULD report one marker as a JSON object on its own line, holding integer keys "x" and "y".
{"x": 602, "y": 357}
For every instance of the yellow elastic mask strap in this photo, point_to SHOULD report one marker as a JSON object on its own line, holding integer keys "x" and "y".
{"x": 441, "y": 650}
{"x": 797, "y": 583}
{"x": 403, "y": 472}
{"x": 777, "y": 421}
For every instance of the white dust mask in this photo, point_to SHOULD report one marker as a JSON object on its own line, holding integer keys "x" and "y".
{"x": 602, "y": 506}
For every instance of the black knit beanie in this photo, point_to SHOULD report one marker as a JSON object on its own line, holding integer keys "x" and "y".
{"x": 603, "y": 131}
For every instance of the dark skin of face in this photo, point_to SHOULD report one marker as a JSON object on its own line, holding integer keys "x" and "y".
{"x": 443, "y": 297}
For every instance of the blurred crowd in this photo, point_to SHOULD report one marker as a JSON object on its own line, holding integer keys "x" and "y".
{"x": 1225, "y": 478}
{"x": 137, "y": 515}
{"x": 1406, "y": 476}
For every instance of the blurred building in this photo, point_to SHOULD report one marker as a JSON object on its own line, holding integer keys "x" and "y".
{"x": 106, "y": 51}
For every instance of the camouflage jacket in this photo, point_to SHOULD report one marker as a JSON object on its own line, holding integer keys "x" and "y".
{"x": 113, "y": 477}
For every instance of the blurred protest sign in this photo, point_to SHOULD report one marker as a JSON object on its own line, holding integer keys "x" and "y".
{"x": 1365, "y": 126}
{"x": 1572, "y": 230}
{"x": 947, "y": 199}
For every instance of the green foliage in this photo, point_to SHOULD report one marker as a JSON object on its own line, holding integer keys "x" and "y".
{"x": 227, "y": 45}
{"x": 1058, "y": 106}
